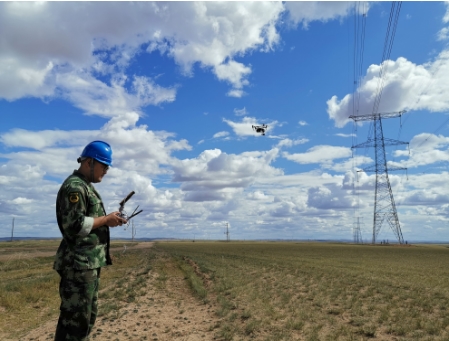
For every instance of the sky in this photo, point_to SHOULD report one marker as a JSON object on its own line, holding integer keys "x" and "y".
{"x": 175, "y": 88}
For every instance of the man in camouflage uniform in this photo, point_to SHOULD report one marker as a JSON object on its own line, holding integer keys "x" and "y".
{"x": 84, "y": 248}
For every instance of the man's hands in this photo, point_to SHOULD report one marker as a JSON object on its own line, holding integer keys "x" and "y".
{"x": 112, "y": 220}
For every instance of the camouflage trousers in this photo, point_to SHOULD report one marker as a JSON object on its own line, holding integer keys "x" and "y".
{"x": 78, "y": 290}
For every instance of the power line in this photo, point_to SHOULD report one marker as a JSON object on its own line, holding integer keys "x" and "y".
{"x": 388, "y": 45}
{"x": 430, "y": 135}
{"x": 429, "y": 83}
{"x": 359, "y": 48}
{"x": 358, "y": 55}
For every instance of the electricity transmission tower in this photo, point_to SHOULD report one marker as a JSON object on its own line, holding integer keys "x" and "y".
{"x": 357, "y": 233}
{"x": 384, "y": 206}
{"x": 227, "y": 232}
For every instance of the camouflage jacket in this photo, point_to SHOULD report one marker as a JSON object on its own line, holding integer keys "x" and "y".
{"x": 77, "y": 204}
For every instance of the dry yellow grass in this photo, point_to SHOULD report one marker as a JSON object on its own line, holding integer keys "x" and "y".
{"x": 324, "y": 291}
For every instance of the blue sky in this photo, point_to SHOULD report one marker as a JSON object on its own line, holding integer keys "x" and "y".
{"x": 175, "y": 87}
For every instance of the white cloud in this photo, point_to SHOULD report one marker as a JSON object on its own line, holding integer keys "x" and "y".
{"x": 42, "y": 139}
{"x": 406, "y": 86}
{"x": 137, "y": 147}
{"x": 215, "y": 175}
{"x": 95, "y": 97}
{"x": 304, "y": 12}
{"x": 21, "y": 197}
{"x": 425, "y": 149}
{"x": 240, "y": 112}
{"x": 236, "y": 93}
{"x": 327, "y": 198}
{"x": 356, "y": 161}
{"x": 427, "y": 142}
{"x": 24, "y": 79}
{"x": 443, "y": 34}
{"x": 257, "y": 195}
{"x": 21, "y": 201}
{"x": 345, "y": 135}
{"x": 425, "y": 197}
{"x": 284, "y": 209}
{"x": 209, "y": 33}
{"x": 302, "y": 123}
{"x": 290, "y": 143}
{"x": 220, "y": 134}
{"x": 319, "y": 154}
{"x": 212, "y": 34}
{"x": 233, "y": 73}
{"x": 232, "y": 29}
{"x": 137, "y": 154}
{"x": 418, "y": 159}
{"x": 446, "y": 15}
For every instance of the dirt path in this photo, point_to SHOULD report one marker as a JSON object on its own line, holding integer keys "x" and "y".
{"x": 163, "y": 314}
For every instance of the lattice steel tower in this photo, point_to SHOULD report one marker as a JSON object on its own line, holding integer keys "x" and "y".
{"x": 357, "y": 234}
{"x": 384, "y": 206}
{"x": 227, "y": 233}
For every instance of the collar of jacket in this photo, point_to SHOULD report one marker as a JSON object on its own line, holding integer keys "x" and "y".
{"x": 81, "y": 176}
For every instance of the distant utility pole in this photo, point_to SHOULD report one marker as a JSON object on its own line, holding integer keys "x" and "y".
{"x": 133, "y": 231}
{"x": 357, "y": 233}
{"x": 12, "y": 229}
{"x": 227, "y": 232}
{"x": 384, "y": 206}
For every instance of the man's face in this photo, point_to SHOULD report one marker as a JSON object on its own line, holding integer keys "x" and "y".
{"x": 100, "y": 169}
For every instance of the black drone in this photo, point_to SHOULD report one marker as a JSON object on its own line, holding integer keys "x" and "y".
{"x": 260, "y": 129}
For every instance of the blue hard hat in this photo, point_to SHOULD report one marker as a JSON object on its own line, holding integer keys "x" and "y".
{"x": 100, "y": 151}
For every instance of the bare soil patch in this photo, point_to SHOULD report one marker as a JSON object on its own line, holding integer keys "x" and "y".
{"x": 164, "y": 313}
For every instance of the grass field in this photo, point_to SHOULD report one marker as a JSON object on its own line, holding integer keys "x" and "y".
{"x": 322, "y": 291}
{"x": 263, "y": 291}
